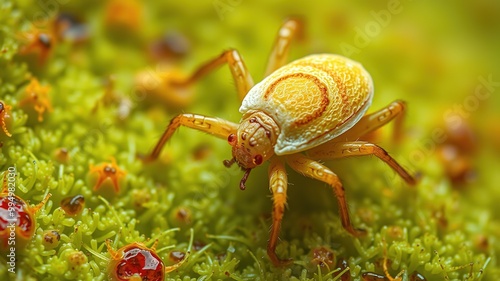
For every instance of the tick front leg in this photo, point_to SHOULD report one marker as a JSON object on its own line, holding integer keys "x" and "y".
{"x": 334, "y": 150}
{"x": 291, "y": 28}
{"x": 373, "y": 121}
{"x": 278, "y": 185}
{"x": 239, "y": 71}
{"x": 317, "y": 171}
{"x": 216, "y": 126}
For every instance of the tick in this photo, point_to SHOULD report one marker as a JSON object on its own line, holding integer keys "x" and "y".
{"x": 17, "y": 219}
{"x": 308, "y": 110}
{"x": 136, "y": 260}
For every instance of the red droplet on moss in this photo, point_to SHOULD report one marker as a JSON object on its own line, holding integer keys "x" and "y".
{"x": 177, "y": 256}
{"x": 415, "y": 276}
{"x": 371, "y": 276}
{"x": 62, "y": 155}
{"x": 342, "y": 264}
{"x": 198, "y": 245}
{"x": 73, "y": 205}
{"x": 18, "y": 213}
{"x": 182, "y": 216}
{"x": 136, "y": 259}
{"x": 16, "y": 216}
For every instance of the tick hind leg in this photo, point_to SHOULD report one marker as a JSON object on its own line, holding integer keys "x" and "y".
{"x": 278, "y": 185}
{"x": 292, "y": 27}
{"x": 373, "y": 121}
{"x": 334, "y": 150}
{"x": 315, "y": 170}
{"x": 216, "y": 126}
{"x": 239, "y": 71}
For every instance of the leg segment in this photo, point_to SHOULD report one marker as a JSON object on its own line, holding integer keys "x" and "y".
{"x": 278, "y": 186}
{"x": 290, "y": 29}
{"x": 38, "y": 206}
{"x": 333, "y": 150}
{"x": 238, "y": 69}
{"x": 114, "y": 254}
{"x": 317, "y": 171}
{"x": 375, "y": 120}
{"x": 218, "y": 127}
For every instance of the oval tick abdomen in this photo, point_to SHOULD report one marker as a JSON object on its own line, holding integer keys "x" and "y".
{"x": 313, "y": 100}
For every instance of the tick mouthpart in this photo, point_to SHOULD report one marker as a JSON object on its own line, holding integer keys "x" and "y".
{"x": 229, "y": 163}
{"x": 244, "y": 179}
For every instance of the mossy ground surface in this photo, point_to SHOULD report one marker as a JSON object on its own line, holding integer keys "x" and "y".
{"x": 428, "y": 53}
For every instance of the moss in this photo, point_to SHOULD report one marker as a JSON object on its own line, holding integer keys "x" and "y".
{"x": 441, "y": 228}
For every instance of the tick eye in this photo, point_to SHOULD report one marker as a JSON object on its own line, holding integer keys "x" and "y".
{"x": 257, "y": 160}
{"x": 231, "y": 139}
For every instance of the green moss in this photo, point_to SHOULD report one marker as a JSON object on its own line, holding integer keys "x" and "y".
{"x": 429, "y": 54}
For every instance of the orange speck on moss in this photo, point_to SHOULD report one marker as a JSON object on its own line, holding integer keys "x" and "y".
{"x": 37, "y": 95}
{"x": 4, "y": 117}
{"x": 38, "y": 41}
{"x": 124, "y": 13}
{"x": 109, "y": 171}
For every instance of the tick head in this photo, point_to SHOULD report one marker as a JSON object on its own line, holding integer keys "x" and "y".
{"x": 253, "y": 143}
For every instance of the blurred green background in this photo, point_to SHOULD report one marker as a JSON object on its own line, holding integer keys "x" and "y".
{"x": 441, "y": 58}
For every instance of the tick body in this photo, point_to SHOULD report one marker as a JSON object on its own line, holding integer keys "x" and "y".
{"x": 310, "y": 109}
{"x": 311, "y": 101}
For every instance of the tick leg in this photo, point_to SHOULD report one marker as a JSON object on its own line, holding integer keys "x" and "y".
{"x": 291, "y": 28}
{"x": 333, "y": 150}
{"x": 114, "y": 254}
{"x": 216, "y": 126}
{"x": 278, "y": 186}
{"x": 373, "y": 121}
{"x": 317, "y": 171}
{"x": 38, "y": 206}
{"x": 241, "y": 76}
